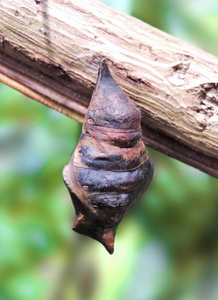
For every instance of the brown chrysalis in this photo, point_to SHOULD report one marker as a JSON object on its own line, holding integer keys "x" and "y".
{"x": 109, "y": 169}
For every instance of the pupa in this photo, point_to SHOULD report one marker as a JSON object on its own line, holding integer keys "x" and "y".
{"x": 109, "y": 169}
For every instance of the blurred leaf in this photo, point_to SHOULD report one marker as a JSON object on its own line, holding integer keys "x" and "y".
{"x": 25, "y": 287}
{"x": 123, "y": 5}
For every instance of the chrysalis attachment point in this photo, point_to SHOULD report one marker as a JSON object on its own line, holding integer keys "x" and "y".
{"x": 109, "y": 169}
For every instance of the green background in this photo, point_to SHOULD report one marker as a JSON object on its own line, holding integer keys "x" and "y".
{"x": 166, "y": 247}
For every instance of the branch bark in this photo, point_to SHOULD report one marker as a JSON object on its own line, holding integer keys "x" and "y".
{"x": 51, "y": 52}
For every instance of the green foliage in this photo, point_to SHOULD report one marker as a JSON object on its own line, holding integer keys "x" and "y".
{"x": 166, "y": 247}
{"x": 195, "y": 21}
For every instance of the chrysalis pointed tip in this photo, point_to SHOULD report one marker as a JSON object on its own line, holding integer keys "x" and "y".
{"x": 104, "y": 236}
{"x": 104, "y": 63}
{"x": 104, "y": 69}
{"x": 107, "y": 240}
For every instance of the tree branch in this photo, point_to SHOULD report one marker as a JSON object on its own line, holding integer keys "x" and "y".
{"x": 51, "y": 52}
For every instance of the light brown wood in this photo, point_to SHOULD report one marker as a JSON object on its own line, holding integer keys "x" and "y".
{"x": 51, "y": 52}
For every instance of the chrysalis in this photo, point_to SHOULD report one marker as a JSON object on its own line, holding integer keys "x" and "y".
{"x": 110, "y": 169}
